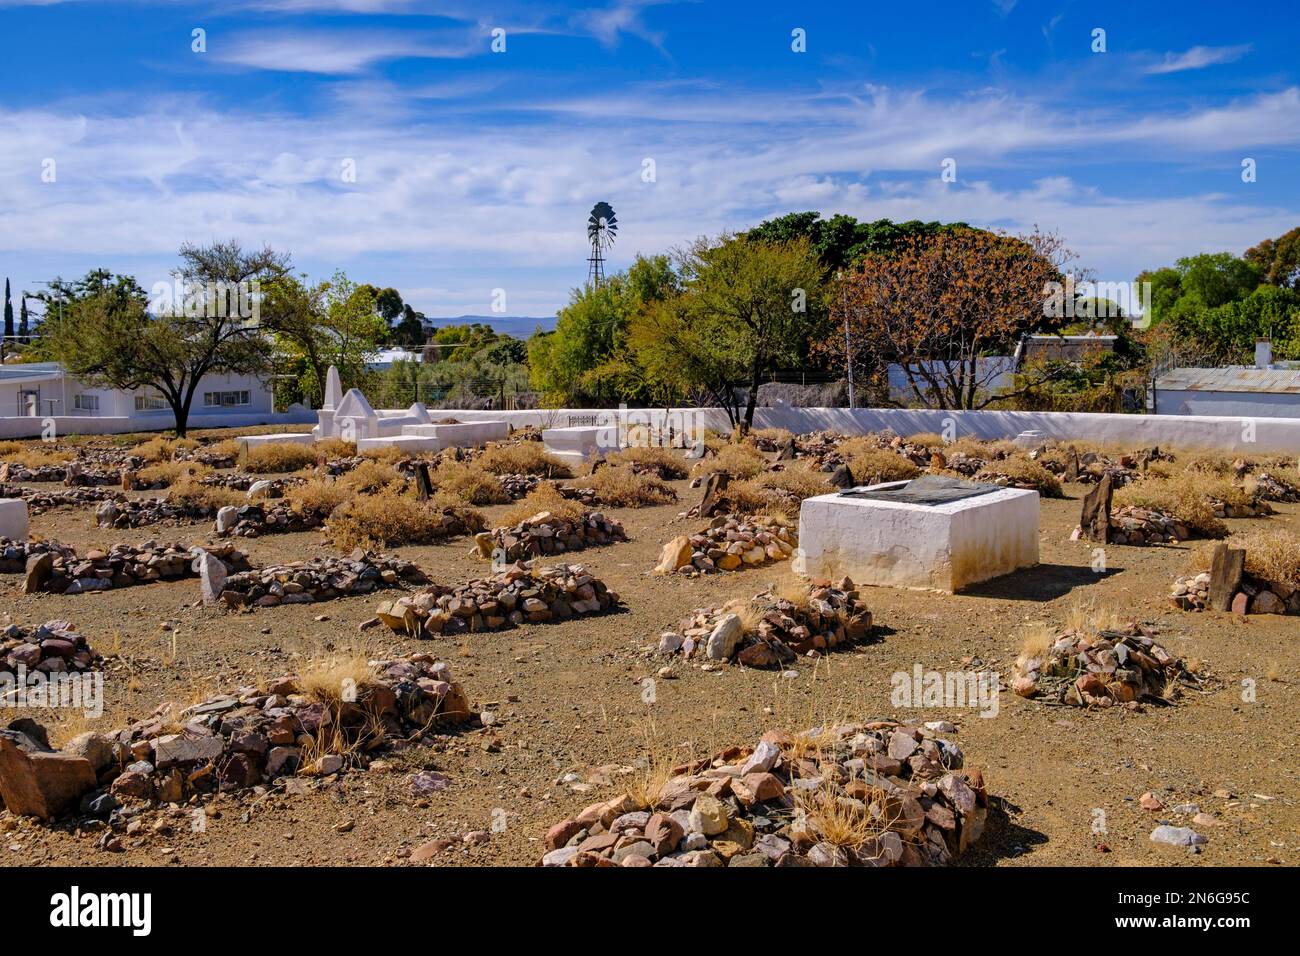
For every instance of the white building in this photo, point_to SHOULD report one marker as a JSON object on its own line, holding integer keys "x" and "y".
{"x": 34, "y": 393}
{"x": 1264, "y": 390}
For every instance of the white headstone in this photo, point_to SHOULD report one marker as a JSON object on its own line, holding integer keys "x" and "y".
{"x": 14, "y": 523}
{"x": 333, "y": 389}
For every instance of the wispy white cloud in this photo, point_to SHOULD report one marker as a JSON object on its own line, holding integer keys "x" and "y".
{"x": 469, "y": 201}
{"x": 1197, "y": 58}
{"x": 341, "y": 53}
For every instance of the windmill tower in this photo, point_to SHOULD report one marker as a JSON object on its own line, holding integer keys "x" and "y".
{"x": 602, "y": 227}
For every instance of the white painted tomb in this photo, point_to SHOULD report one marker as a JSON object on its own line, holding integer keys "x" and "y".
{"x": 577, "y": 444}
{"x": 906, "y": 544}
{"x": 281, "y": 438}
{"x": 14, "y": 523}
{"x": 464, "y": 434}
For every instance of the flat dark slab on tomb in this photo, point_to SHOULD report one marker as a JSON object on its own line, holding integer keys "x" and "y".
{"x": 927, "y": 490}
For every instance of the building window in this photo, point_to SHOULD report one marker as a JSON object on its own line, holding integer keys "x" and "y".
{"x": 225, "y": 399}
{"x": 150, "y": 403}
{"x": 85, "y": 403}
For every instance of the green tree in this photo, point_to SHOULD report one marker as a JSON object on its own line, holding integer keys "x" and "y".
{"x": 841, "y": 241}
{"x": 108, "y": 338}
{"x": 748, "y": 308}
{"x": 586, "y": 359}
{"x": 1214, "y": 278}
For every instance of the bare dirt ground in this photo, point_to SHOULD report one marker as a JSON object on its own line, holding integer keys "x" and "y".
{"x": 569, "y": 700}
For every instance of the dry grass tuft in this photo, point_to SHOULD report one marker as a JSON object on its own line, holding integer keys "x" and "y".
{"x": 372, "y": 477}
{"x": 470, "y": 482}
{"x": 38, "y": 457}
{"x": 778, "y": 492}
{"x": 168, "y": 473}
{"x": 1272, "y": 555}
{"x": 1035, "y": 640}
{"x": 161, "y": 448}
{"x": 927, "y": 440}
{"x": 740, "y": 461}
{"x": 1023, "y": 470}
{"x": 278, "y": 457}
{"x": 545, "y": 497}
{"x": 390, "y": 454}
{"x": 317, "y": 496}
{"x": 336, "y": 448}
{"x": 1184, "y": 497}
{"x": 618, "y": 486}
{"x": 325, "y": 681}
{"x": 667, "y": 463}
{"x": 391, "y": 518}
{"x": 191, "y": 493}
{"x": 871, "y": 465}
{"x": 523, "y": 458}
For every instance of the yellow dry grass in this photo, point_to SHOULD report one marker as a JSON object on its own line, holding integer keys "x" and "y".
{"x": 618, "y": 486}
{"x": 871, "y": 465}
{"x": 191, "y": 493}
{"x": 391, "y": 518}
{"x": 545, "y": 497}
{"x": 1182, "y": 496}
{"x": 317, "y": 496}
{"x": 1022, "y": 469}
{"x": 470, "y": 482}
{"x": 667, "y": 463}
{"x": 278, "y": 457}
{"x": 168, "y": 473}
{"x": 523, "y": 458}
{"x": 336, "y": 448}
{"x": 740, "y": 461}
{"x": 39, "y": 457}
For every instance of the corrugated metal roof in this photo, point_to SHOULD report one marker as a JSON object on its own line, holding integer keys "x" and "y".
{"x": 1234, "y": 379}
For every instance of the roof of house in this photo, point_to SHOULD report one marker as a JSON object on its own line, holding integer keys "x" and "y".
{"x": 1233, "y": 379}
{"x": 30, "y": 371}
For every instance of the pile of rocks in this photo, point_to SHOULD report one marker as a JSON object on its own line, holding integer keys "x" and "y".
{"x": 546, "y": 534}
{"x": 874, "y": 794}
{"x": 1249, "y": 595}
{"x": 510, "y": 598}
{"x": 305, "y": 582}
{"x": 1102, "y": 669}
{"x": 54, "y": 647}
{"x": 139, "y": 512}
{"x": 15, "y": 555}
{"x": 773, "y": 630}
{"x": 1139, "y": 526}
{"x": 39, "y": 502}
{"x": 519, "y": 486}
{"x": 255, "y": 485}
{"x": 1271, "y": 487}
{"x": 124, "y": 565}
{"x": 253, "y": 520}
{"x": 1256, "y": 507}
{"x": 729, "y": 542}
{"x": 230, "y": 742}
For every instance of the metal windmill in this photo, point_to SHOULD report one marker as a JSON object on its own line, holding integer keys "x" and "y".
{"x": 602, "y": 227}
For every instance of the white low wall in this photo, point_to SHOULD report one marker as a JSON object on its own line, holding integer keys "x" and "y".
{"x": 1217, "y": 432}
{"x": 32, "y": 427}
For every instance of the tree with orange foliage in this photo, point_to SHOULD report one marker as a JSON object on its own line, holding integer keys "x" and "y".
{"x": 941, "y": 304}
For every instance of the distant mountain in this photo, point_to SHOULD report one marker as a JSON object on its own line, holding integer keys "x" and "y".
{"x": 520, "y": 326}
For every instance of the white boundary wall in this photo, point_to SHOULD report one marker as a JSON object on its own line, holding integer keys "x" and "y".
{"x": 1217, "y": 432}
{"x": 24, "y": 426}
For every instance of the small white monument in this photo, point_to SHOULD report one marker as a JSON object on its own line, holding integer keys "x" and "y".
{"x": 14, "y": 523}
{"x": 576, "y": 444}
{"x": 931, "y": 532}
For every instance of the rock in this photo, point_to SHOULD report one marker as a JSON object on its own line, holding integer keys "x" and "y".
{"x": 260, "y": 489}
{"x": 1266, "y": 602}
{"x": 44, "y": 785}
{"x": 1240, "y": 603}
{"x": 212, "y": 576}
{"x": 1149, "y": 801}
{"x": 227, "y": 518}
{"x": 96, "y": 749}
{"x": 1226, "y": 572}
{"x": 708, "y": 815}
{"x": 676, "y": 554}
{"x": 1095, "y": 518}
{"x": 1176, "y": 836}
{"x": 178, "y": 750}
{"x": 40, "y": 568}
{"x": 725, "y": 636}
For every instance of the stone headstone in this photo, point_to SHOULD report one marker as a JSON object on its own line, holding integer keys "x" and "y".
{"x": 40, "y": 568}
{"x": 333, "y": 389}
{"x": 787, "y": 452}
{"x": 1095, "y": 519}
{"x": 841, "y": 477}
{"x": 212, "y": 576}
{"x": 712, "y": 502}
{"x": 43, "y": 785}
{"x": 1226, "y": 573}
{"x": 1072, "y": 465}
{"x": 423, "y": 483}
{"x": 227, "y": 517}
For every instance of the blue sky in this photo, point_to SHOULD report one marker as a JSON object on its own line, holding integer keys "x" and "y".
{"x": 475, "y": 170}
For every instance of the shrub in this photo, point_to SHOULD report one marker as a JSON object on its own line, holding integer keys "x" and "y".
{"x": 871, "y": 465}
{"x": 8, "y": 448}
{"x": 1023, "y": 470}
{"x": 545, "y": 497}
{"x": 167, "y": 473}
{"x": 161, "y": 448}
{"x": 738, "y": 460}
{"x": 318, "y": 496}
{"x": 391, "y": 454}
{"x": 523, "y": 458}
{"x": 392, "y": 518}
{"x": 336, "y": 448}
{"x": 278, "y": 457}
{"x": 668, "y": 463}
{"x": 1272, "y": 555}
{"x": 193, "y": 494}
{"x": 470, "y": 482}
{"x": 38, "y": 457}
{"x": 371, "y": 477}
{"x": 618, "y": 486}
